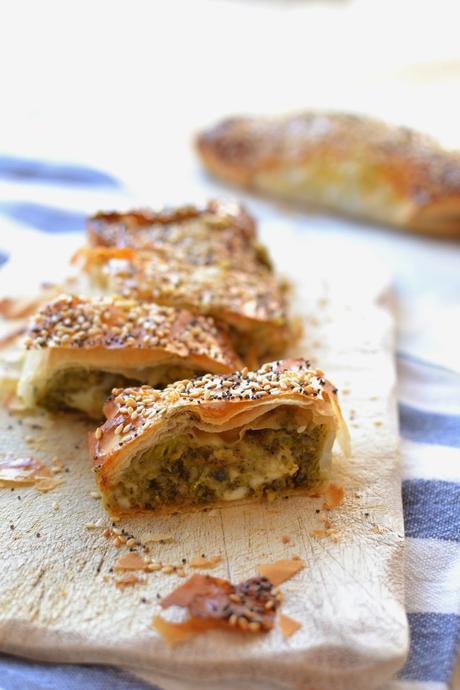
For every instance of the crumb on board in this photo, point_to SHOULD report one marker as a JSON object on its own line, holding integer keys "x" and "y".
{"x": 285, "y": 538}
{"x": 288, "y": 626}
{"x": 45, "y": 485}
{"x": 211, "y": 602}
{"x": 56, "y": 465}
{"x": 281, "y": 570}
{"x": 204, "y": 562}
{"x": 325, "y": 520}
{"x": 157, "y": 538}
{"x": 128, "y": 581}
{"x": 22, "y": 471}
{"x": 130, "y": 561}
{"x": 333, "y": 496}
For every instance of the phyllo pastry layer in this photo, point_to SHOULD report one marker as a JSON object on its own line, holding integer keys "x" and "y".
{"x": 217, "y": 440}
{"x": 351, "y": 164}
{"x": 252, "y": 305}
{"x": 220, "y": 234}
{"x": 80, "y": 348}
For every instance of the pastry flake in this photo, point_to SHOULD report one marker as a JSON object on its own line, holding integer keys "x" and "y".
{"x": 280, "y": 571}
{"x": 217, "y": 440}
{"x": 80, "y": 348}
{"x": 212, "y": 602}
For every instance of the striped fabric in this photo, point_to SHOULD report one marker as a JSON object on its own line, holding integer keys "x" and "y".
{"x": 429, "y": 403}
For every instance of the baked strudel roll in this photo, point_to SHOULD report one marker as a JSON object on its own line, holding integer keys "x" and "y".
{"x": 220, "y": 234}
{"x": 217, "y": 440}
{"x": 81, "y": 348}
{"x": 251, "y": 305}
{"x": 350, "y": 164}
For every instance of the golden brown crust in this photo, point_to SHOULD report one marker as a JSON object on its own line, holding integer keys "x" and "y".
{"x": 136, "y": 415}
{"x": 218, "y": 234}
{"x": 116, "y": 323}
{"x": 351, "y": 164}
{"x": 252, "y": 304}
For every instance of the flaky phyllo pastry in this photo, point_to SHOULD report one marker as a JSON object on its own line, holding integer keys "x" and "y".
{"x": 220, "y": 234}
{"x": 251, "y": 305}
{"x": 349, "y": 164}
{"x": 81, "y": 348}
{"x": 217, "y": 440}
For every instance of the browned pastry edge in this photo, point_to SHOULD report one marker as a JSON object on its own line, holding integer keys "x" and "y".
{"x": 218, "y": 214}
{"x": 75, "y": 322}
{"x": 419, "y": 174}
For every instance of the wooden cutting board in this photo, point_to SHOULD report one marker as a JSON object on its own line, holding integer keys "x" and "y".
{"x": 58, "y": 595}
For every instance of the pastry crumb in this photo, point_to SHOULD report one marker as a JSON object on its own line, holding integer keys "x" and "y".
{"x": 45, "y": 485}
{"x": 130, "y": 561}
{"x": 285, "y": 538}
{"x": 128, "y": 581}
{"x": 333, "y": 496}
{"x": 288, "y": 626}
{"x": 281, "y": 570}
{"x": 203, "y": 562}
{"x": 157, "y": 538}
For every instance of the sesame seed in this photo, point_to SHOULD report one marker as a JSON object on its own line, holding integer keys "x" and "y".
{"x": 148, "y": 406}
{"x": 98, "y": 433}
{"x": 254, "y": 626}
{"x": 243, "y": 623}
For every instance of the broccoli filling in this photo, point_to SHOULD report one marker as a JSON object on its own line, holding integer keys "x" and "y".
{"x": 187, "y": 472}
{"x": 86, "y": 390}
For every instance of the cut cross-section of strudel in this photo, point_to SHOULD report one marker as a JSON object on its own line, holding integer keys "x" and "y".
{"x": 252, "y": 306}
{"x": 350, "y": 164}
{"x": 220, "y": 234}
{"x": 81, "y": 348}
{"x": 217, "y": 440}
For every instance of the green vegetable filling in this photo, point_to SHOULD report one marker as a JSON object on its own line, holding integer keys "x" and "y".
{"x": 190, "y": 471}
{"x": 86, "y": 390}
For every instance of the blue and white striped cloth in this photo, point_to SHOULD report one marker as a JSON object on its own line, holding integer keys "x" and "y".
{"x": 429, "y": 404}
